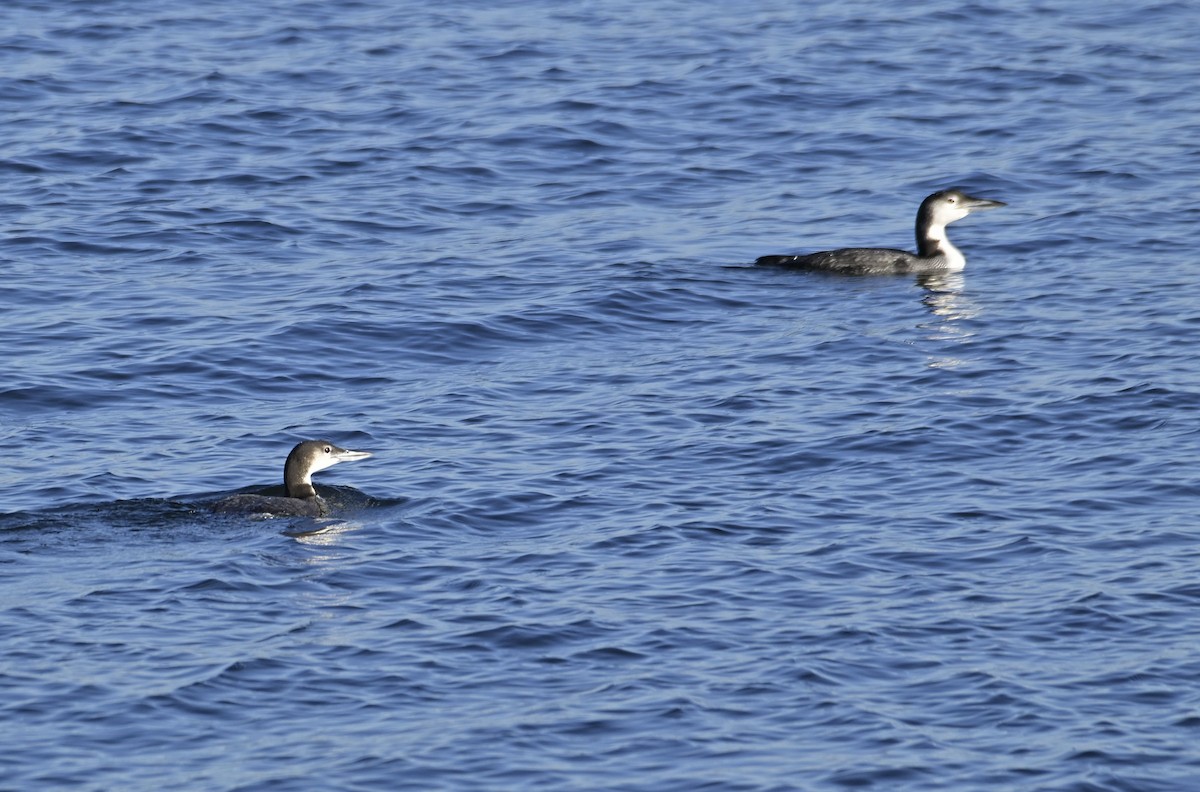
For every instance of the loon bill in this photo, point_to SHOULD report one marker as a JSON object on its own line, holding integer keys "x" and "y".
{"x": 302, "y": 499}
{"x": 935, "y": 253}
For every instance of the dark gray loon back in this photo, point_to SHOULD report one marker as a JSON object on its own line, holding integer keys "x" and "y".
{"x": 855, "y": 261}
{"x": 247, "y": 503}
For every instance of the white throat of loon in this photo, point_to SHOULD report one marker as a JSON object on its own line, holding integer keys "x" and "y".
{"x": 938, "y": 211}
{"x": 309, "y": 457}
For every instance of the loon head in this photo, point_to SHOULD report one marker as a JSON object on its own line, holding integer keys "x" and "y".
{"x": 939, "y": 210}
{"x": 946, "y": 206}
{"x": 309, "y": 457}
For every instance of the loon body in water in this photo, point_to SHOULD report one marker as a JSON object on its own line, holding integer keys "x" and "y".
{"x": 934, "y": 251}
{"x": 302, "y": 499}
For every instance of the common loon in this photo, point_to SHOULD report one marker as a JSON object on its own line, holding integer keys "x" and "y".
{"x": 935, "y": 253}
{"x": 302, "y": 499}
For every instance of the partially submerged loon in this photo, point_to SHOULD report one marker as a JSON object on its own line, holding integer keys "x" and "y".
{"x": 934, "y": 251}
{"x": 302, "y": 499}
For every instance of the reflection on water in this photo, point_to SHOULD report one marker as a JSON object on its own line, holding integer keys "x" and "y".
{"x": 945, "y": 299}
{"x": 321, "y": 531}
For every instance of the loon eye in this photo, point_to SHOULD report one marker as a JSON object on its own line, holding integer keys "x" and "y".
{"x": 327, "y": 449}
{"x": 952, "y": 199}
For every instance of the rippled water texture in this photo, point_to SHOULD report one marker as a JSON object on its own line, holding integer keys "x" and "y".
{"x": 640, "y": 516}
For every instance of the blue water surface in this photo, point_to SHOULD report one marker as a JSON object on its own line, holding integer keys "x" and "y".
{"x": 640, "y": 515}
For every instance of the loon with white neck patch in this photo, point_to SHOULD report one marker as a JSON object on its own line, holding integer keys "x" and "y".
{"x": 935, "y": 253}
{"x": 302, "y": 499}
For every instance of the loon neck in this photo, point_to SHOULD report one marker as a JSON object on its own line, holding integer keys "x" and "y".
{"x": 299, "y": 485}
{"x": 306, "y": 490}
{"x": 932, "y": 242}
